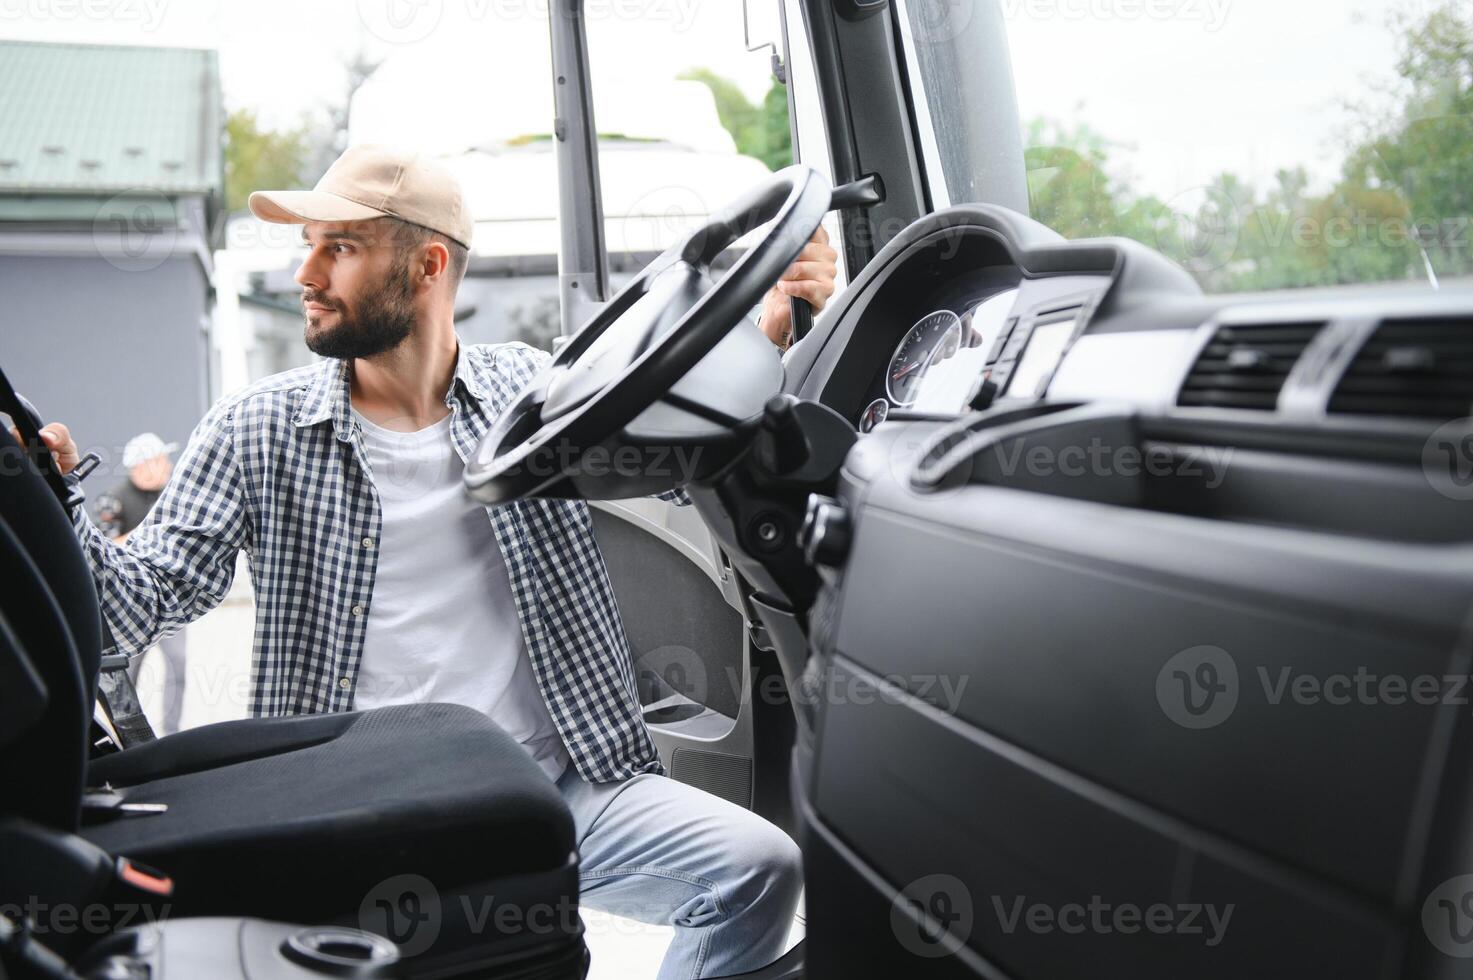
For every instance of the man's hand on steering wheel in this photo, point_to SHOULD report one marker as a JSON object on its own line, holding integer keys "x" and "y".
{"x": 59, "y": 440}
{"x": 811, "y": 277}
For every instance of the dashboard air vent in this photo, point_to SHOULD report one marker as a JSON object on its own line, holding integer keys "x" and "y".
{"x": 1419, "y": 368}
{"x": 1246, "y": 366}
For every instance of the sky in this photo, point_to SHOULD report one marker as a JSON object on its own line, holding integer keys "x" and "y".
{"x": 1247, "y": 86}
{"x": 1185, "y": 89}
{"x": 283, "y": 57}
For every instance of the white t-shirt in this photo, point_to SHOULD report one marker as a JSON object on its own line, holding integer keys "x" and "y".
{"x": 442, "y": 625}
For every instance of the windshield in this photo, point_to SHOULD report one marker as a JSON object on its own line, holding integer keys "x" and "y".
{"x": 1263, "y": 145}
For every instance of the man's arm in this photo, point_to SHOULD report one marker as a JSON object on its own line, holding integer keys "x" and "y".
{"x": 179, "y": 563}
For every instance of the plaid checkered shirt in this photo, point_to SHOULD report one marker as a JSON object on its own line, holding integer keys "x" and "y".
{"x": 279, "y": 470}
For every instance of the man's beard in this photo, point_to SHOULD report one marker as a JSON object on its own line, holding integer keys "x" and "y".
{"x": 384, "y": 318}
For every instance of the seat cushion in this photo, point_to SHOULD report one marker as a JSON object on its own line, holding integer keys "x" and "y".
{"x": 302, "y": 817}
{"x": 212, "y": 746}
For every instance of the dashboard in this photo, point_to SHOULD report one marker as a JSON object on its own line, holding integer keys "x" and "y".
{"x": 977, "y": 307}
{"x": 1135, "y": 469}
{"x": 953, "y": 320}
{"x": 1283, "y": 475}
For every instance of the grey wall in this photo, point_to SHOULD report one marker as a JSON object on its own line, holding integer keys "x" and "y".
{"x": 112, "y": 353}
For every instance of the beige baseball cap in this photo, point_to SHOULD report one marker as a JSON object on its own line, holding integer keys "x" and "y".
{"x": 373, "y": 182}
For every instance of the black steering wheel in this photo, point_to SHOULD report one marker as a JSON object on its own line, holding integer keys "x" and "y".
{"x": 660, "y": 386}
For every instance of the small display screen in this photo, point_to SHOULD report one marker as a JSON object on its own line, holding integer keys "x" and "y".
{"x": 1045, "y": 348}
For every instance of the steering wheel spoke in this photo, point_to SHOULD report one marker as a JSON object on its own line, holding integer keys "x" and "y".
{"x": 597, "y": 421}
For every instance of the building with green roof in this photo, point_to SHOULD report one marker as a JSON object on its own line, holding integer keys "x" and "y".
{"x": 111, "y": 188}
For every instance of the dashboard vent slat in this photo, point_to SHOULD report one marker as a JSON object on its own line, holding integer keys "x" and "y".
{"x": 1420, "y": 368}
{"x": 1247, "y": 366}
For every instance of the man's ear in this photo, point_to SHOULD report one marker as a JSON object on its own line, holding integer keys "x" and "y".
{"x": 436, "y": 261}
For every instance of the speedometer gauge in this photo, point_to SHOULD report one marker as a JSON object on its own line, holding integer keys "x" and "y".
{"x": 934, "y": 338}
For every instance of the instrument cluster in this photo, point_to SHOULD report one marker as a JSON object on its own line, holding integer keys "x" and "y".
{"x": 942, "y": 359}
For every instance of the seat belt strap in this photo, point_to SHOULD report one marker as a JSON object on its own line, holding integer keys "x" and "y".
{"x": 119, "y": 698}
{"x": 120, "y": 703}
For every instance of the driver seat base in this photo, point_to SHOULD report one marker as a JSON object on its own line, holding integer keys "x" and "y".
{"x": 287, "y": 817}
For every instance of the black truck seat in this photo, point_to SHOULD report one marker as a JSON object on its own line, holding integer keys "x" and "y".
{"x": 364, "y": 818}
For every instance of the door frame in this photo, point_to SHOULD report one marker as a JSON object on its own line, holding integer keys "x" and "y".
{"x": 761, "y": 732}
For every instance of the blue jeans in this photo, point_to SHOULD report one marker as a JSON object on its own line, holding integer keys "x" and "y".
{"x": 659, "y": 851}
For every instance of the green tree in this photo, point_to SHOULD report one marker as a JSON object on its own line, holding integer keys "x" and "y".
{"x": 1421, "y": 150}
{"x": 1071, "y": 190}
{"x": 759, "y": 131}
{"x": 1069, "y": 183}
{"x": 257, "y": 157}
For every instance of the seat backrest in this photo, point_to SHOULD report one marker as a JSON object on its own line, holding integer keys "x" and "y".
{"x": 42, "y": 771}
{"x": 49, "y": 600}
{"x": 29, "y": 501}
{"x": 23, "y": 695}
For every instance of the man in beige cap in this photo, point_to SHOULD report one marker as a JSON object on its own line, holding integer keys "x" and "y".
{"x": 343, "y": 480}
